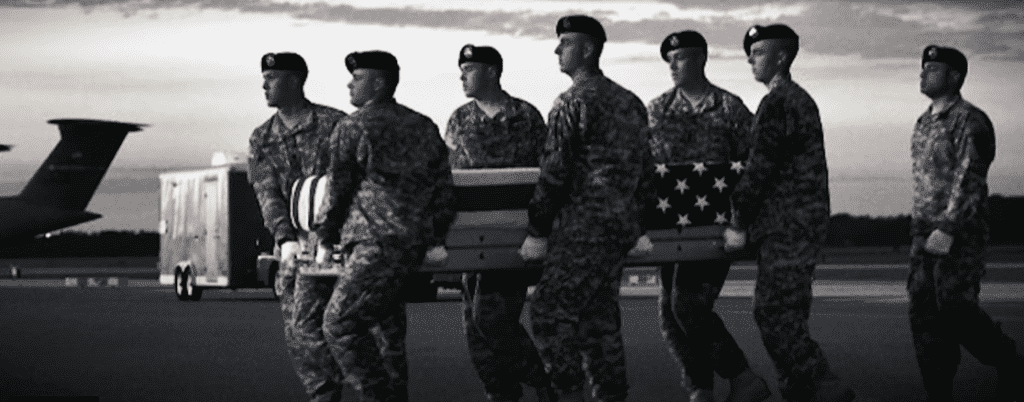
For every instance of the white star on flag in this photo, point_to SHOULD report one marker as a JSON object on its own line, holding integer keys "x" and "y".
{"x": 737, "y": 166}
{"x": 663, "y": 204}
{"x": 699, "y": 168}
{"x": 681, "y": 186}
{"x": 661, "y": 169}
{"x": 720, "y": 184}
{"x": 720, "y": 217}
{"x": 702, "y": 201}
{"x": 684, "y": 220}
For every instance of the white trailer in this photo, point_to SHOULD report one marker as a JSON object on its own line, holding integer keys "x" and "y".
{"x": 212, "y": 233}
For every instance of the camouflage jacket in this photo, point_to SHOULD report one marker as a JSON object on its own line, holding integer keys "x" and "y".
{"x": 390, "y": 179}
{"x": 596, "y": 172}
{"x": 513, "y": 137}
{"x": 952, "y": 151}
{"x": 279, "y": 156}
{"x": 784, "y": 191}
{"x": 716, "y": 129}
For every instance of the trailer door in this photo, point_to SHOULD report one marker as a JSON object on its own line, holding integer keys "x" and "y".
{"x": 213, "y": 275}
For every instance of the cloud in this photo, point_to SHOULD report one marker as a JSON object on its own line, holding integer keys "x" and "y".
{"x": 870, "y": 29}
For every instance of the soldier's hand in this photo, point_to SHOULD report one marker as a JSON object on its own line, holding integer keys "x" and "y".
{"x": 533, "y": 248}
{"x": 323, "y": 253}
{"x": 938, "y": 242}
{"x": 735, "y": 240}
{"x": 436, "y": 255}
{"x": 643, "y": 246}
{"x": 289, "y": 250}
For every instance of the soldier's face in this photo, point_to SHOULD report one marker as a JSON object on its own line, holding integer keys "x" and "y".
{"x": 278, "y": 86}
{"x": 765, "y": 60}
{"x": 686, "y": 64}
{"x": 936, "y": 78}
{"x": 570, "y": 50}
{"x": 475, "y": 78}
{"x": 362, "y": 88}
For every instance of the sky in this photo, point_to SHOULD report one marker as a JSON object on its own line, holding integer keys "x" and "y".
{"x": 190, "y": 70}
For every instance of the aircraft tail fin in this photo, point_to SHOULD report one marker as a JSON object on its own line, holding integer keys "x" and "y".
{"x": 70, "y": 175}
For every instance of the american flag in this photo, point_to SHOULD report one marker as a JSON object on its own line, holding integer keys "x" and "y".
{"x": 693, "y": 194}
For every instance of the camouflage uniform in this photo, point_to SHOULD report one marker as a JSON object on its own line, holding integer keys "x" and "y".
{"x": 390, "y": 196}
{"x": 715, "y": 130}
{"x": 277, "y": 158}
{"x": 952, "y": 151}
{"x": 783, "y": 202}
{"x": 501, "y": 349}
{"x": 593, "y": 185}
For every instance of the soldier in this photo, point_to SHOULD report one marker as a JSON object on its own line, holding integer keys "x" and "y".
{"x": 697, "y": 122}
{"x": 496, "y": 130}
{"x": 783, "y": 202}
{"x": 290, "y": 146}
{"x": 593, "y": 175}
{"x": 953, "y": 146}
{"x": 388, "y": 202}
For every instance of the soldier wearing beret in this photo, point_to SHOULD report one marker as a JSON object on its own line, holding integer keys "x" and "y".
{"x": 588, "y": 204}
{"x": 389, "y": 201}
{"x": 697, "y": 122}
{"x": 496, "y": 130}
{"x": 290, "y": 146}
{"x": 952, "y": 147}
{"x": 782, "y": 204}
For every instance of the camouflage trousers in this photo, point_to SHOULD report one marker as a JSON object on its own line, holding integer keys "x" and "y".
{"x": 365, "y": 321}
{"x": 501, "y": 349}
{"x": 696, "y": 335}
{"x": 303, "y": 300}
{"x": 944, "y": 312}
{"x": 576, "y": 318}
{"x": 782, "y": 307}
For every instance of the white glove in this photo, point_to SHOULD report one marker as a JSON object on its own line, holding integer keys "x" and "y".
{"x": 436, "y": 255}
{"x": 643, "y": 247}
{"x": 938, "y": 242}
{"x": 289, "y": 250}
{"x": 735, "y": 240}
{"x": 323, "y": 254}
{"x": 534, "y": 248}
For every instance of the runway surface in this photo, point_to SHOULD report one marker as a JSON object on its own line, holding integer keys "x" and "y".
{"x": 141, "y": 344}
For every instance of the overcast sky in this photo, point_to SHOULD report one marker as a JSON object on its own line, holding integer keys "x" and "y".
{"x": 190, "y": 69}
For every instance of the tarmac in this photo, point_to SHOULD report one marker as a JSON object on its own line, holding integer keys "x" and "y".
{"x": 130, "y": 339}
{"x": 141, "y": 344}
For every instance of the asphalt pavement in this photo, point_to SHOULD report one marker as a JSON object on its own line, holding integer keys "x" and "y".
{"x": 141, "y": 344}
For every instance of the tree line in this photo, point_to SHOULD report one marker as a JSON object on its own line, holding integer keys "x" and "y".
{"x": 1006, "y": 227}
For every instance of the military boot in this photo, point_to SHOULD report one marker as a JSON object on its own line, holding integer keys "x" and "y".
{"x": 702, "y": 395}
{"x": 832, "y": 389}
{"x": 1011, "y": 380}
{"x": 748, "y": 387}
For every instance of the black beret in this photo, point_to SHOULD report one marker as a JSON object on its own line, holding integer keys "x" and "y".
{"x": 581, "y": 24}
{"x": 374, "y": 59}
{"x": 480, "y": 54}
{"x": 283, "y": 61}
{"x": 757, "y": 33}
{"x": 680, "y": 40}
{"x": 947, "y": 55}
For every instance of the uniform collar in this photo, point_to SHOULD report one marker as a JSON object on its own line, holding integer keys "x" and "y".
{"x": 708, "y": 102}
{"x": 506, "y": 106}
{"x": 307, "y": 120}
{"x": 945, "y": 112}
{"x": 779, "y": 80}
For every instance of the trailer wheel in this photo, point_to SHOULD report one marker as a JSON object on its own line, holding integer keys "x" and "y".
{"x": 272, "y": 275}
{"x": 180, "y": 284}
{"x": 194, "y": 292}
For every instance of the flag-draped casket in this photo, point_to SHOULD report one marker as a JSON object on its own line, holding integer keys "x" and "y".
{"x": 684, "y": 222}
